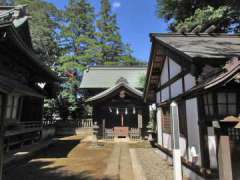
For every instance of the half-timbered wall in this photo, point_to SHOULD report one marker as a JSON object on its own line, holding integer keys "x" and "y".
{"x": 165, "y": 94}
{"x": 174, "y": 68}
{"x": 171, "y": 70}
{"x": 165, "y": 72}
{"x": 176, "y": 88}
{"x": 189, "y": 81}
{"x": 174, "y": 82}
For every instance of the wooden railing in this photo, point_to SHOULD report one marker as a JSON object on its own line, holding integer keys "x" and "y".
{"x": 46, "y": 123}
{"x": 135, "y": 133}
{"x": 85, "y": 123}
{"x": 31, "y": 124}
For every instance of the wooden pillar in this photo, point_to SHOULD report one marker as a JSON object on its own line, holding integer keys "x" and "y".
{"x": 122, "y": 119}
{"x": 224, "y": 159}
{"x": 2, "y": 132}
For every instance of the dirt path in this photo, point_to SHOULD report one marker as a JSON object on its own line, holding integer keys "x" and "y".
{"x": 120, "y": 164}
{"x": 72, "y": 158}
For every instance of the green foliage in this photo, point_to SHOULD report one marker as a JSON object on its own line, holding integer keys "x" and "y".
{"x": 178, "y": 10}
{"x": 80, "y": 47}
{"x": 192, "y": 13}
{"x": 205, "y": 17}
{"x": 44, "y": 21}
{"x": 78, "y": 33}
{"x": 69, "y": 40}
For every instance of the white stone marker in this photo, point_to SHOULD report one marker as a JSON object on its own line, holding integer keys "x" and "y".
{"x": 177, "y": 166}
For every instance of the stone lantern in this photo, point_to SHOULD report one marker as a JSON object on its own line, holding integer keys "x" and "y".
{"x": 95, "y": 132}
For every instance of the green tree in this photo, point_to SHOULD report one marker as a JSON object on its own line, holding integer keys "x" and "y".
{"x": 43, "y": 23}
{"x": 78, "y": 36}
{"x": 80, "y": 47}
{"x": 222, "y": 14}
{"x": 113, "y": 50}
{"x": 203, "y": 18}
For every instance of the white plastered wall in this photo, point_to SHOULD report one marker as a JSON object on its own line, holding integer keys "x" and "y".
{"x": 167, "y": 141}
{"x": 189, "y": 81}
{"x": 165, "y": 94}
{"x": 174, "y": 68}
{"x": 176, "y": 88}
{"x": 164, "y": 75}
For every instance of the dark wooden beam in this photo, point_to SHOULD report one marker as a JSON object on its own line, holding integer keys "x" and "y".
{"x": 174, "y": 79}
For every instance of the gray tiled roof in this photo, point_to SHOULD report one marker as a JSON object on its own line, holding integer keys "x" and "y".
{"x": 202, "y": 45}
{"x": 107, "y": 76}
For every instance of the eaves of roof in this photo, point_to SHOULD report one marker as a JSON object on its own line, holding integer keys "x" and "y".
{"x": 113, "y": 89}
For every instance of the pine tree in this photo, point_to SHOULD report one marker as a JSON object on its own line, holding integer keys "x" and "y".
{"x": 80, "y": 46}
{"x": 43, "y": 23}
{"x": 113, "y": 50}
{"x": 78, "y": 35}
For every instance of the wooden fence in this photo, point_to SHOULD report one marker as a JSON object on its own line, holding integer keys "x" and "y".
{"x": 85, "y": 123}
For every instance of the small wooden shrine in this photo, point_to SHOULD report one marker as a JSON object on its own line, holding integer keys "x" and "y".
{"x": 119, "y": 108}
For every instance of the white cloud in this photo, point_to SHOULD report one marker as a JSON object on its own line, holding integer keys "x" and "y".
{"x": 116, "y": 4}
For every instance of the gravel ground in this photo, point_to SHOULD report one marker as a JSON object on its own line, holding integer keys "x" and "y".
{"x": 152, "y": 165}
{"x": 72, "y": 158}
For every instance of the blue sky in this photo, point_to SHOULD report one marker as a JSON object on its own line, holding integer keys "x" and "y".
{"x": 136, "y": 19}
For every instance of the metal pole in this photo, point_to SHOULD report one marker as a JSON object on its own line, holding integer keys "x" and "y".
{"x": 177, "y": 166}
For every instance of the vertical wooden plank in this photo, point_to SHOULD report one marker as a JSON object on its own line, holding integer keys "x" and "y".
{"x": 2, "y": 132}
{"x": 224, "y": 159}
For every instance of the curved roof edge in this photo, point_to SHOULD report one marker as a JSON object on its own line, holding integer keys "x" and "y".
{"x": 112, "y": 89}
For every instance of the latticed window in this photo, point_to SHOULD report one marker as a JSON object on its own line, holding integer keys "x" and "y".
{"x": 227, "y": 103}
{"x": 166, "y": 120}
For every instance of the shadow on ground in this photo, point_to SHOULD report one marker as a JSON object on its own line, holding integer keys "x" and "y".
{"x": 60, "y": 149}
{"x": 41, "y": 171}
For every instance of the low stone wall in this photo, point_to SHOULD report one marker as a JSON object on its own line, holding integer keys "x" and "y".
{"x": 48, "y": 132}
{"x": 69, "y": 128}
